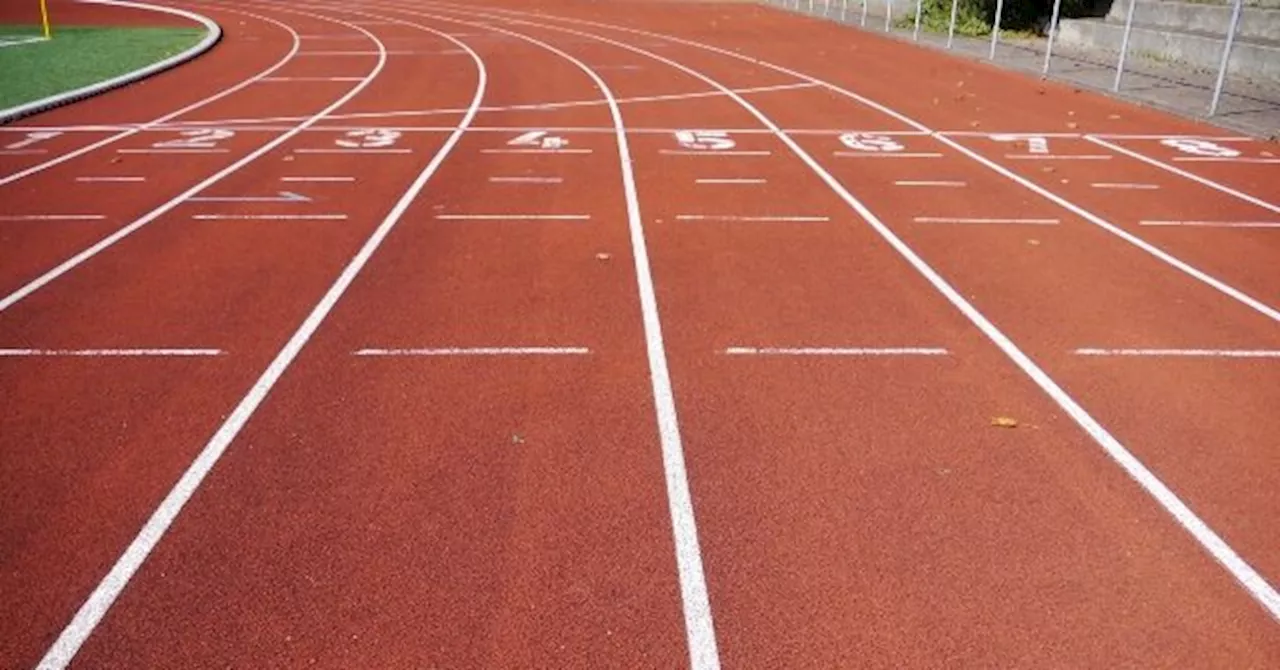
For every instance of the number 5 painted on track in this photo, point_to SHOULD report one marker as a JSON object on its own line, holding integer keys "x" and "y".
{"x": 869, "y": 142}
{"x": 705, "y": 140}
{"x": 1199, "y": 147}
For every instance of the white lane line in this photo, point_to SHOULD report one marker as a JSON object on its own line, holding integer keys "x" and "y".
{"x": 352, "y": 151}
{"x": 684, "y": 152}
{"x": 269, "y": 217}
{"x": 52, "y": 217}
{"x": 172, "y": 151}
{"x": 318, "y": 179}
{"x": 106, "y": 353}
{"x": 1211, "y": 353}
{"x": 836, "y": 351}
{"x": 513, "y": 217}
{"x": 1059, "y": 157}
{"x": 943, "y": 184}
{"x": 1217, "y": 159}
{"x": 1245, "y": 574}
{"x": 729, "y": 181}
{"x": 111, "y": 180}
{"x": 943, "y": 219}
{"x": 1187, "y": 175}
{"x": 479, "y": 351}
{"x": 535, "y": 151}
{"x": 355, "y": 53}
{"x": 1248, "y": 578}
{"x": 726, "y": 217}
{"x": 333, "y": 37}
{"x": 23, "y": 152}
{"x": 695, "y": 602}
{"x": 1125, "y": 186}
{"x": 308, "y": 79}
{"x": 526, "y": 180}
{"x": 86, "y": 619}
{"x": 898, "y": 154}
{"x": 284, "y": 196}
{"x": 1213, "y": 224}
{"x": 293, "y": 49}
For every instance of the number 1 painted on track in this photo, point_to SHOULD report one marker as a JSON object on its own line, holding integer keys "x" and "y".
{"x": 33, "y": 138}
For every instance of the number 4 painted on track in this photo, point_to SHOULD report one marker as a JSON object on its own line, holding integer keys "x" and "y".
{"x": 540, "y": 139}
{"x": 32, "y": 138}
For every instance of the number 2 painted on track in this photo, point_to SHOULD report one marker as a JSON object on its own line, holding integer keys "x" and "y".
{"x": 871, "y": 143}
{"x": 368, "y": 138}
{"x": 200, "y": 138}
{"x": 33, "y": 138}
{"x": 705, "y": 140}
{"x": 1200, "y": 147}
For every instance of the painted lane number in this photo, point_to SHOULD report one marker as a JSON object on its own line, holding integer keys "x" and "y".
{"x": 870, "y": 142}
{"x": 539, "y": 139}
{"x": 1199, "y": 147}
{"x": 1035, "y": 143}
{"x": 33, "y": 138}
{"x": 705, "y": 140}
{"x": 201, "y": 138}
{"x": 368, "y": 138}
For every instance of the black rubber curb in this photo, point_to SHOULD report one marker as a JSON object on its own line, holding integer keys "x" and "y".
{"x": 67, "y": 97}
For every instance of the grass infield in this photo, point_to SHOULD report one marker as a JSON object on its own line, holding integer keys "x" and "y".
{"x": 78, "y": 56}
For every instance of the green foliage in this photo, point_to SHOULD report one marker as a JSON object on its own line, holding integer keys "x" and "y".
{"x": 974, "y": 17}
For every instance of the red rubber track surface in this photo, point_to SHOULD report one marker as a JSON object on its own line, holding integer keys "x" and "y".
{"x": 511, "y": 510}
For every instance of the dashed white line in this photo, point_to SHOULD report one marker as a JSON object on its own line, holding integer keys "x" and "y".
{"x": 308, "y": 79}
{"x": 943, "y": 219}
{"x": 1212, "y": 353}
{"x": 729, "y": 181}
{"x": 22, "y": 152}
{"x": 897, "y": 154}
{"x": 1059, "y": 157}
{"x": 694, "y": 152}
{"x": 727, "y": 217}
{"x": 110, "y": 352}
{"x": 1213, "y": 224}
{"x": 52, "y": 217}
{"x": 1217, "y": 159}
{"x": 270, "y": 217}
{"x": 318, "y": 179}
{"x": 943, "y": 184}
{"x": 352, "y": 151}
{"x": 111, "y": 180}
{"x": 526, "y": 180}
{"x": 1124, "y": 186}
{"x": 535, "y": 151}
{"x": 836, "y": 351}
{"x": 513, "y": 217}
{"x": 172, "y": 151}
{"x": 479, "y": 351}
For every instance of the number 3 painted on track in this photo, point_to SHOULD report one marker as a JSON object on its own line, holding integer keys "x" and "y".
{"x": 369, "y": 138}
{"x": 705, "y": 140}
{"x": 868, "y": 142}
{"x": 1199, "y": 147}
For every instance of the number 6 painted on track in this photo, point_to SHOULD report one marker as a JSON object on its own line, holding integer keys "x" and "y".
{"x": 705, "y": 140}
{"x": 1199, "y": 147}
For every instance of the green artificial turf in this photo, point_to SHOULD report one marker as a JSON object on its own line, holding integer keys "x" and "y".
{"x": 80, "y": 55}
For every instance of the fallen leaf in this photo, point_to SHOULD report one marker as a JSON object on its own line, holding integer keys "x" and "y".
{"x": 1046, "y": 169}
{"x": 1113, "y": 117}
{"x": 1034, "y": 243}
{"x": 602, "y": 256}
{"x": 974, "y": 124}
{"x": 516, "y": 439}
{"x": 1004, "y": 422}
{"x": 1072, "y": 124}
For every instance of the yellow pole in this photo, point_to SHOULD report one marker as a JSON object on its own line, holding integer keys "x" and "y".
{"x": 44, "y": 18}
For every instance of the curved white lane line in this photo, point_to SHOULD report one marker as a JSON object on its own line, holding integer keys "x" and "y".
{"x": 293, "y": 50}
{"x": 104, "y": 595}
{"x": 1252, "y": 581}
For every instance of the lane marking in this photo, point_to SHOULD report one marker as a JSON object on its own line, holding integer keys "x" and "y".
{"x": 111, "y": 180}
{"x": 944, "y": 184}
{"x": 726, "y": 152}
{"x": 269, "y": 217}
{"x": 333, "y": 37}
{"x": 284, "y": 196}
{"x": 108, "y": 590}
{"x": 1059, "y": 157}
{"x": 836, "y": 351}
{"x": 106, "y": 353}
{"x": 1214, "y": 224}
{"x": 308, "y": 79}
{"x": 1245, "y": 574}
{"x": 479, "y": 351}
{"x": 719, "y": 217}
{"x": 1223, "y": 159}
{"x": 899, "y": 154}
{"x": 729, "y": 181}
{"x": 513, "y": 217}
{"x": 352, "y": 150}
{"x": 526, "y": 180}
{"x": 535, "y": 151}
{"x": 943, "y": 219}
{"x": 1183, "y": 173}
{"x": 1125, "y": 186}
{"x": 317, "y": 179}
{"x": 23, "y": 152}
{"x": 357, "y": 53}
{"x": 1212, "y": 353}
{"x": 52, "y": 217}
{"x": 173, "y": 151}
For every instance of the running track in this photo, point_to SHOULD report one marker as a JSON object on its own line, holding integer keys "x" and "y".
{"x": 396, "y": 333}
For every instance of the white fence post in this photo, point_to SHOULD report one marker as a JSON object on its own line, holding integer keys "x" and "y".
{"x": 1226, "y": 56}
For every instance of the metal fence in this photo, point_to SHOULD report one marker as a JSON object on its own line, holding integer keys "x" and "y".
{"x": 1095, "y": 68}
